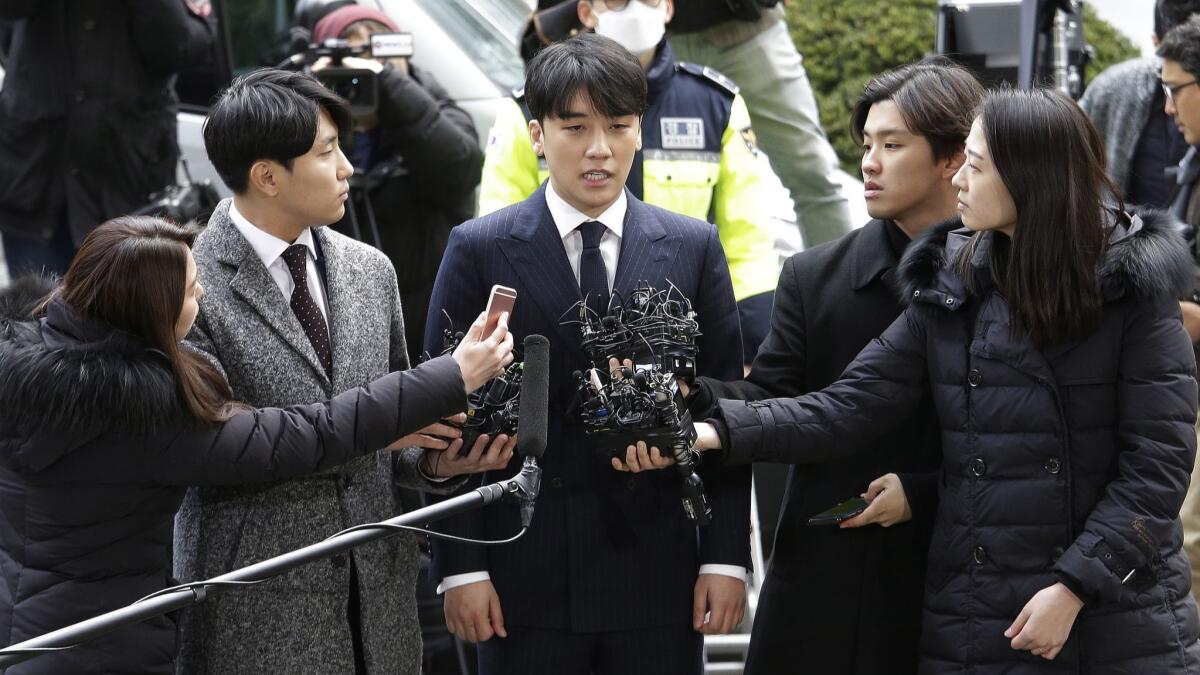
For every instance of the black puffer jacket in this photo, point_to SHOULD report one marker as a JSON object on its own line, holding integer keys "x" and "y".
{"x": 1064, "y": 464}
{"x": 94, "y": 458}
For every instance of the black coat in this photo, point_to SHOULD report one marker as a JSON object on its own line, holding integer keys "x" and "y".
{"x": 1067, "y": 464}
{"x": 838, "y": 601}
{"x": 424, "y": 185}
{"x": 94, "y": 458}
{"x": 87, "y": 112}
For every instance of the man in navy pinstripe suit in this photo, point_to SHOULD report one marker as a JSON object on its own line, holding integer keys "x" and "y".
{"x": 612, "y": 578}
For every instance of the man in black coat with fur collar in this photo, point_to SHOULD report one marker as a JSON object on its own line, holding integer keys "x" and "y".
{"x": 847, "y": 600}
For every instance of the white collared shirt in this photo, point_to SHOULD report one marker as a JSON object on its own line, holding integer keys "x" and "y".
{"x": 270, "y": 248}
{"x": 567, "y": 218}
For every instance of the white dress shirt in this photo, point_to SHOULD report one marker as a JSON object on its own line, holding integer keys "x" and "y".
{"x": 567, "y": 218}
{"x": 270, "y": 248}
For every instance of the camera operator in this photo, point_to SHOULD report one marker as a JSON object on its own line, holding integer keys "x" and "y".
{"x": 419, "y": 157}
{"x": 87, "y": 116}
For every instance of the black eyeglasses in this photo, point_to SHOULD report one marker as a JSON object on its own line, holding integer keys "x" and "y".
{"x": 618, "y": 5}
{"x": 1170, "y": 89}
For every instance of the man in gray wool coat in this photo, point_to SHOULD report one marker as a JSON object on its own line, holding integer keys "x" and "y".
{"x": 296, "y": 313}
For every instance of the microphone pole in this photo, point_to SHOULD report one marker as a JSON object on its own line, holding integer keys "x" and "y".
{"x": 522, "y": 488}
{"x": 197, "y": 593}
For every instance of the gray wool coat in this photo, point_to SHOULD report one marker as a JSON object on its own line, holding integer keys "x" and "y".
{"x": 1119, "y": 101}
{"x": 298, "y": 623}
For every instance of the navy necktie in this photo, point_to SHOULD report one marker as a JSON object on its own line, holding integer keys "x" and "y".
{"x": 305, "y": 307}
{"x": 593, "y": 277}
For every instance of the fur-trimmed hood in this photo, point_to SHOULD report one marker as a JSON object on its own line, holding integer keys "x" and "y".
{"x": 65, "y": 379}
{"x": 1146, "y": 257}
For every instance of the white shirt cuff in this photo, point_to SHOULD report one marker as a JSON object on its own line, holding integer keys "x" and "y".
{"x": 735, "y": 571}
{"x": 456, "y": 580}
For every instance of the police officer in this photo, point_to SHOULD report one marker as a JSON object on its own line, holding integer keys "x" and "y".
{"x": 698, "y": 155}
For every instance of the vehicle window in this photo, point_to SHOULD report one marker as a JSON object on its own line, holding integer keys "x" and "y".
{"x": 487, "y": 31}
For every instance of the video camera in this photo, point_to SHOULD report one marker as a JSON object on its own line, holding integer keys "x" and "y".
{"x": 358, "y": 86}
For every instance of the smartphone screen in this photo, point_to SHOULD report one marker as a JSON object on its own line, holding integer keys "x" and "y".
{"x": 501, "y": 300}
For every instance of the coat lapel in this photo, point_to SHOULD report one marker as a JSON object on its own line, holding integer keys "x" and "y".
{"x": 340, "y": 304}
{"x": 536, "y": 254}
{"x": 645, "y": 248}
{"x": 254, "y": 285}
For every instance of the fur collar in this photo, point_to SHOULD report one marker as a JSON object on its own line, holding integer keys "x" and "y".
{"x": 66, "y": 377}
{"x": 1146, "y": 257}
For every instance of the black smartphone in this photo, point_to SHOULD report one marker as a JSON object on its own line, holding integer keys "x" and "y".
{"x": 844, "y": 511}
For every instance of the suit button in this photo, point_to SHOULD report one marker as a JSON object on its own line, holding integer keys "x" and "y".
{"x": 631, "y": 483}
{"x": 1053, "y": 466}
{"x": 974, "y": 378}
{"x": 338, "y": 561}
{"x": 556, "y": 482}
{"x": 80, "y": 96}
{"x": 979, "y": 556}
{"x": 89, "y": 24}
{"x": 978, "y": 467}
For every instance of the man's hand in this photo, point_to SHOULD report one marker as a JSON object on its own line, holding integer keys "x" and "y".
{"x": 723, "y": 599}
{"x": 889, "y": 504}
{"x": 638, "y": 459}
{"x": 473, "y": 612}
{"x": 1191, "y": 319}
{"x": 1044, "y": 624}
{"x": 482, "y": 457}
{"x": 436, "y": 436}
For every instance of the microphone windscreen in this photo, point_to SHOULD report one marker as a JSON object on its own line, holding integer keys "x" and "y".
{"x": 535, "y": 397}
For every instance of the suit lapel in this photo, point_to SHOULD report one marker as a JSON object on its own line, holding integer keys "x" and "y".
{"x": 536, "y": 254}
{"x": 254, "y": 285}
{"x": 645, "y": 248}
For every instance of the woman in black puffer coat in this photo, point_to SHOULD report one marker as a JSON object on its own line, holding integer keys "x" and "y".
{"x": 1049, "y": 336}
{"x": 105, "y": 419}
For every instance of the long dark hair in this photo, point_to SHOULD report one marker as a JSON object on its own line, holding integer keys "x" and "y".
{"x": 1051, "y": 160}
{"x": 131, "y": 273}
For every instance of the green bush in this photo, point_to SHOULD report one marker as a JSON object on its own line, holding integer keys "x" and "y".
{"x": 845, "y": 44}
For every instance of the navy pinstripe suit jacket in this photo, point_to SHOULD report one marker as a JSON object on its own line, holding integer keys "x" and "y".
{"x": 607, "y": 551}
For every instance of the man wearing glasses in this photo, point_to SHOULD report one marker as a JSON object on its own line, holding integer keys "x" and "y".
{"x": 1126, "y": 104}
{"x": 1180, "y": 54}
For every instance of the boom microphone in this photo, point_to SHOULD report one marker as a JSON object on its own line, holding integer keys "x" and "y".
{"x": 535, "y": 397}
{"x": 533, "y": 421}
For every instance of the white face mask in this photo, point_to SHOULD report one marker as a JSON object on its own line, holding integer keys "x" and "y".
{"x": 638, "y": 28}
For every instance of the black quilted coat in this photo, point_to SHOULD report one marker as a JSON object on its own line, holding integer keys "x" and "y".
{"x": 95, "y": 455}
{"x": 1062, "y": 464}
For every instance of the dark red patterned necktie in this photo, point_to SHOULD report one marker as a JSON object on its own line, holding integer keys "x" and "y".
{"x": 306, "y": 309}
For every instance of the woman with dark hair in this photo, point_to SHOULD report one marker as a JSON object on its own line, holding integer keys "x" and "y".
{"x": 1048, "y": 335}
{"x": 105, "y": 418}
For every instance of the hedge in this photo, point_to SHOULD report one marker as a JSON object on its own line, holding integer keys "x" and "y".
{"x": 845, "y": 43}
